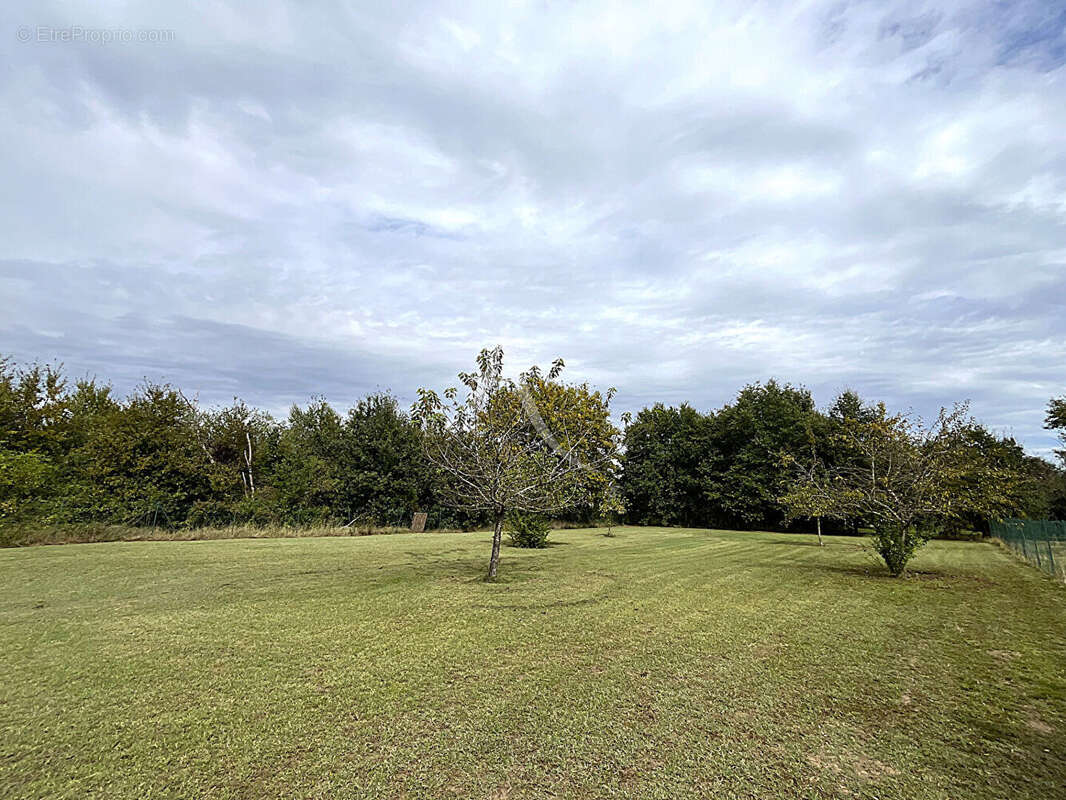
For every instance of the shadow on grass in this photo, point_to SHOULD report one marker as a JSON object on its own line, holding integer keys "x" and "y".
{"x": 830, "y": 541}
{"x": 414, "y": 566}
{"x": 547, "y": 545}
{"x": 858, "y": 570}
{"x": 795, "y": 544}
{"x": 585, "y": 601}
{"x": 881, "y": 573}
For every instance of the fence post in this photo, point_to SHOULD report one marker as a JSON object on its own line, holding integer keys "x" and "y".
{"x": 1047, "y": 541}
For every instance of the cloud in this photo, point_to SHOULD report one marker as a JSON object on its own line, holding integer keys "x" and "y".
{"x": 677, "y": 199}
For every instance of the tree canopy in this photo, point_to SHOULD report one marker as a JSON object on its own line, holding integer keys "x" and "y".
{"x": 904, "y": 478}
{"x": 1056, "y": 421}
{"x": 531, "y": 444}
{"x": 72, "y": 451}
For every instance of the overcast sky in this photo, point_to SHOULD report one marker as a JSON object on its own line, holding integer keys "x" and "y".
{"x": 677, "y": 198}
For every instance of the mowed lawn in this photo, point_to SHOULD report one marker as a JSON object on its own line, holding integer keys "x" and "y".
{"x": 661, "y": 663}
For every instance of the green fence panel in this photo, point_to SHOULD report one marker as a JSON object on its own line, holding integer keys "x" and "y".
{"x": 1041, "y": 542}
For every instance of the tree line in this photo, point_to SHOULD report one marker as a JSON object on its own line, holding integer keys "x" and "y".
{"x": 739, "y": 466}
{"x": 74, "y": 452}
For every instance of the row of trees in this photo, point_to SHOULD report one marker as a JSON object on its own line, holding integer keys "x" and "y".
{"x": 770, "y": 459}
{"x": 76, "y": 453}
{"x": 732, "y": 468}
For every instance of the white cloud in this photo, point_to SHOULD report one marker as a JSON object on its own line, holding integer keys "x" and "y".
{"x": 677, "y": 198}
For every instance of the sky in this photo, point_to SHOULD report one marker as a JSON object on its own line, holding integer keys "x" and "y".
{"x": 676, "y": 198}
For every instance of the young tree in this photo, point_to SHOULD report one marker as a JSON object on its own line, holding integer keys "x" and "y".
{"x": 823, "y": 448}
{"x": 613, "y": 508}
{"x": 904, "y": 478}
{"x": 808, "y": 496}
{"x": 529, "y": 445}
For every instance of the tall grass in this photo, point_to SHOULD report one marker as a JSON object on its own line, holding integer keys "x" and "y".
{"x": 28, "y": 535}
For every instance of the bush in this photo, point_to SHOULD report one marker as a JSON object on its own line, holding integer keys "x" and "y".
{"x": 528, "y": 530}
{"x": 897, "y": 545}
{"x": 209, "y": 513}
{"x": 960, "y": 535}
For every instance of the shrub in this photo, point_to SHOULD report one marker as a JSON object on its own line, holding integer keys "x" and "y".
{"x": 959, "y": 535}
{"x": 528, "y": 530}
{"x": 208, "y": 513}
{"x": 897, "y": 545}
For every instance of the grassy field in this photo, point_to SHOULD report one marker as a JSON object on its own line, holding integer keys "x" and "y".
{"x": 660, "y": 664}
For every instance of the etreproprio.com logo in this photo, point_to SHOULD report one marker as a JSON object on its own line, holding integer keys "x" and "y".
{"x": 69, "y": 34}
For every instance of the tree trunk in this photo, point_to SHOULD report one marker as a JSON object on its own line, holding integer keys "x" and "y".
{"x": 248, "y": 460}
{"x": 497, "y": 536}
{"x": 820, "y": 542}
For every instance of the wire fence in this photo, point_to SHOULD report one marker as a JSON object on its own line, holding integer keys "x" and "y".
{"x": 1041, "y": 542}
